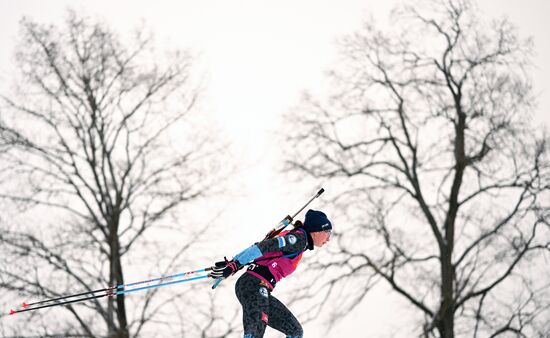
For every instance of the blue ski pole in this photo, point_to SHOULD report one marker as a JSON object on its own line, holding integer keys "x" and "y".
{"x": 113, "y": 290}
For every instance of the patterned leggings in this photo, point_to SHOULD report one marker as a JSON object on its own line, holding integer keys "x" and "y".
{"x": 260, "y": 308}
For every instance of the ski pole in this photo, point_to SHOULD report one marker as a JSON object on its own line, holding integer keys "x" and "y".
{"x": 121, "y": 286}
{"x": 29, "y": 308}
{"x": 110, "y": 291}
{"x": 283, "y": 224}
{"x": 110, "y": 294}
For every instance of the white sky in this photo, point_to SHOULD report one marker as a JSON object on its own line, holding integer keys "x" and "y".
{"x": 258, "y": 57}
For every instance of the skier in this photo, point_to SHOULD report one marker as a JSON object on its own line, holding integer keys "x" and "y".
{"x": 270, "y": 261}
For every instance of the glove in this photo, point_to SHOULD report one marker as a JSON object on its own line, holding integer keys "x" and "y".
{"x": 224, "y": 269}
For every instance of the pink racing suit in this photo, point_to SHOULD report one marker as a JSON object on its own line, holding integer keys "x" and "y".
{"x": 281, "y": 256}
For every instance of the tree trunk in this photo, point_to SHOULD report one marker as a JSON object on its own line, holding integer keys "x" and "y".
{"x": 117, "y": 278}
{"x": 446, "y": 320}
{"x": 122, "y": 331}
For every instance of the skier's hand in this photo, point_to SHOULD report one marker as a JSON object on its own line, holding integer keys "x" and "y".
{"x": 224, "y": 269}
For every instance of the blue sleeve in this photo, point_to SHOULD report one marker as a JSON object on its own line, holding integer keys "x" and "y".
{"x": 248, "y": 255}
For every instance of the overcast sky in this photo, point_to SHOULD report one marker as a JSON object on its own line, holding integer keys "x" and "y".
{"x": 258, "y": 57}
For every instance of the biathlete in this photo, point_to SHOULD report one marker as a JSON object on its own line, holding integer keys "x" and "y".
{"x": 270, "y": 261}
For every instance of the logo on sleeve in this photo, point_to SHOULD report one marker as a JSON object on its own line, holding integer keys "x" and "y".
{"x": 292, "y": 239}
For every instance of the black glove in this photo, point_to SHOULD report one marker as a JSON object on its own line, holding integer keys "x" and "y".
{"x": 224, "y": 269}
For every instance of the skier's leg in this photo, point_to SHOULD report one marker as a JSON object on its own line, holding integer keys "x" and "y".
{"x": 281, "y": 319}
{"x": 254, "y": 299}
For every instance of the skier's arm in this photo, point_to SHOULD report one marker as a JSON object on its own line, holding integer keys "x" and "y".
{"x": 293, "y": 242}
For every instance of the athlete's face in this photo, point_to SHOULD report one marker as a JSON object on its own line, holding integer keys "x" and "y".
{"x": 320, "y": 238}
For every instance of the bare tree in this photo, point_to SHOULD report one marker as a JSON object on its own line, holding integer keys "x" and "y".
{"x": 96, "y": 153}
{"x": 444, "y": 181}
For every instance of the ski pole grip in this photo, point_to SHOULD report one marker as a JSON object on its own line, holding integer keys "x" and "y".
{"x": 218, "y": 281}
